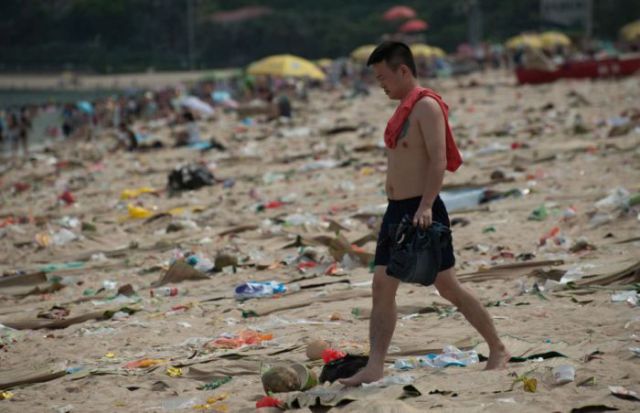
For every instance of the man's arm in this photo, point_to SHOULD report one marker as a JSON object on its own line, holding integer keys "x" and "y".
{"x": 432, "y": 128}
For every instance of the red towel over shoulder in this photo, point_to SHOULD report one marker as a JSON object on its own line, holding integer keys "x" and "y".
{"x": 395, "y": 124}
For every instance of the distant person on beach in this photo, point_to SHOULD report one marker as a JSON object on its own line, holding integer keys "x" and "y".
{"x": 278, "y": 106}
{"x": 3, "y": 128}
{"x": 13, "y": 132}
{"x": 191, "y": 133}
{"x": 23, "y": 131}
{"x": 282, "y": 108}
{"x": 67, "y": 120}
{"x": 420, "y": 147}
{"x": 126, "y": 137}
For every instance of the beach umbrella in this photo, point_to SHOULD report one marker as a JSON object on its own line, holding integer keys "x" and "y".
{"x": 438, "y": 51}
{"x": 551, "y": 39}
{"x": 415, "y": 25}
{"x": 285, "y": 65}
{"x": 362, "y": 53}
{"x": 399, "y": 13}
{"x": 196, "y": 104}
{"x": 524, "y": 40}
{"x": 421, "y": 50}
{"x": 85, "y": 106}
{"x": 240, "y": 15}
{"x": 631, "y": 31}
{"x": 323, "y": 63}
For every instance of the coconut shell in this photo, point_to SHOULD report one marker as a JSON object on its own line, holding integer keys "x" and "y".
{"x": 315, "y": 349}
{"x": 307, "y": 377}
{"x": 281, "y": 379}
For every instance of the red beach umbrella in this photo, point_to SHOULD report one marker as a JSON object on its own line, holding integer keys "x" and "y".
{"x": 399, "y": 13}
{"x": 415, "y": 25}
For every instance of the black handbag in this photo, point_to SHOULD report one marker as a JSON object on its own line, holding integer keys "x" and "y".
{"x": 189, "y": 177}
{"x": 416, "y": 253}
{"x": 343, "y": 367}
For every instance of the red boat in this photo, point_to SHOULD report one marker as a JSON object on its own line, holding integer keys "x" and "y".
{"x": 588, "y": 69}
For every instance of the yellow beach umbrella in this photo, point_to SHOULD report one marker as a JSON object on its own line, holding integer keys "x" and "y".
{"x": 362, "y": 53}
{"x": 325, "y": 62}
{"x": 524, "y": 40}
{"x": 421, "y": 50}
{"x": 285, "y": 65}
{"x": 631, "y": 31}
{"x": 551, "y": 39}
{"x": 438, "y": 51}
{"x": 425, "y": 50}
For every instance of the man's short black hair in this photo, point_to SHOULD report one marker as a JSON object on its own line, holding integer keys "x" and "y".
{"x": 395, "y": 54}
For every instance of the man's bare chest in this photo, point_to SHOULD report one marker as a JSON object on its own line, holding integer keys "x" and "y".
{"x": 410, "y": 139}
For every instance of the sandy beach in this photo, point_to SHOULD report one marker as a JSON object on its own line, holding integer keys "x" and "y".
{"x": 300, "y": 203}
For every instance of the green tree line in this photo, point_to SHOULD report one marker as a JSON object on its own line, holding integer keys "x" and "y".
{"x": 132, "y": 35}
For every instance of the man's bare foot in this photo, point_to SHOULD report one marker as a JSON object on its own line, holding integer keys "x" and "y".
{"x": 366, "y": 375}
{"x": 498, "y": 359}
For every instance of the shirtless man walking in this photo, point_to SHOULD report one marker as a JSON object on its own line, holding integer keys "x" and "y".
{"x": 418, "y": 155}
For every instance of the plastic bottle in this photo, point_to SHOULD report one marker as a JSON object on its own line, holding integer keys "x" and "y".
{"x": 179, "y": 403}
{"x": 109, "y": 285}
{"x": 253, "y": 289}
{"x": 406, "y": 364}
{"x": 202, "y": 264}
{"x": 166, "y": 292}
{"x": 450, "y": 356}
{"x": 564, "y": 373}
{"x": 618, "y": 198}
{"x": 63, "y": 237}
{"x": 463, "y": 199}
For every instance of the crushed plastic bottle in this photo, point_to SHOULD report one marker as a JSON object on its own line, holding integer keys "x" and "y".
{"x": 179, "y": 403}
{"x": 69, "y": 222}
{"x": 462, "y": 199}
{"x": 63, "y": 237}
{"x": 167, "y": 292}
{"x": 301, "y": 219}
{"x": 407, "y": 364}
{"x": 451, "y": 356}
{"x": 200, "y": 263}
{"x": 254, "y": 289}
{"x": 618, "y": 198}
{"x": 564, "y": 373}
{"x": 575, "y": 273}
{"x": 630, "y": 297}
{"x": 109, "y": 285}
{"x": 101, "y": 257}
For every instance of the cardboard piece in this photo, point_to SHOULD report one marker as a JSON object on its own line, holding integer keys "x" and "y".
{"x": 507, "y": 270}
{"x": 178, "y": 272}
{"x": 299, "y": 300}
{"x": 336, "y": 394}
{"x": 12, "y": 378}
{"x": 39, "y": 323}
